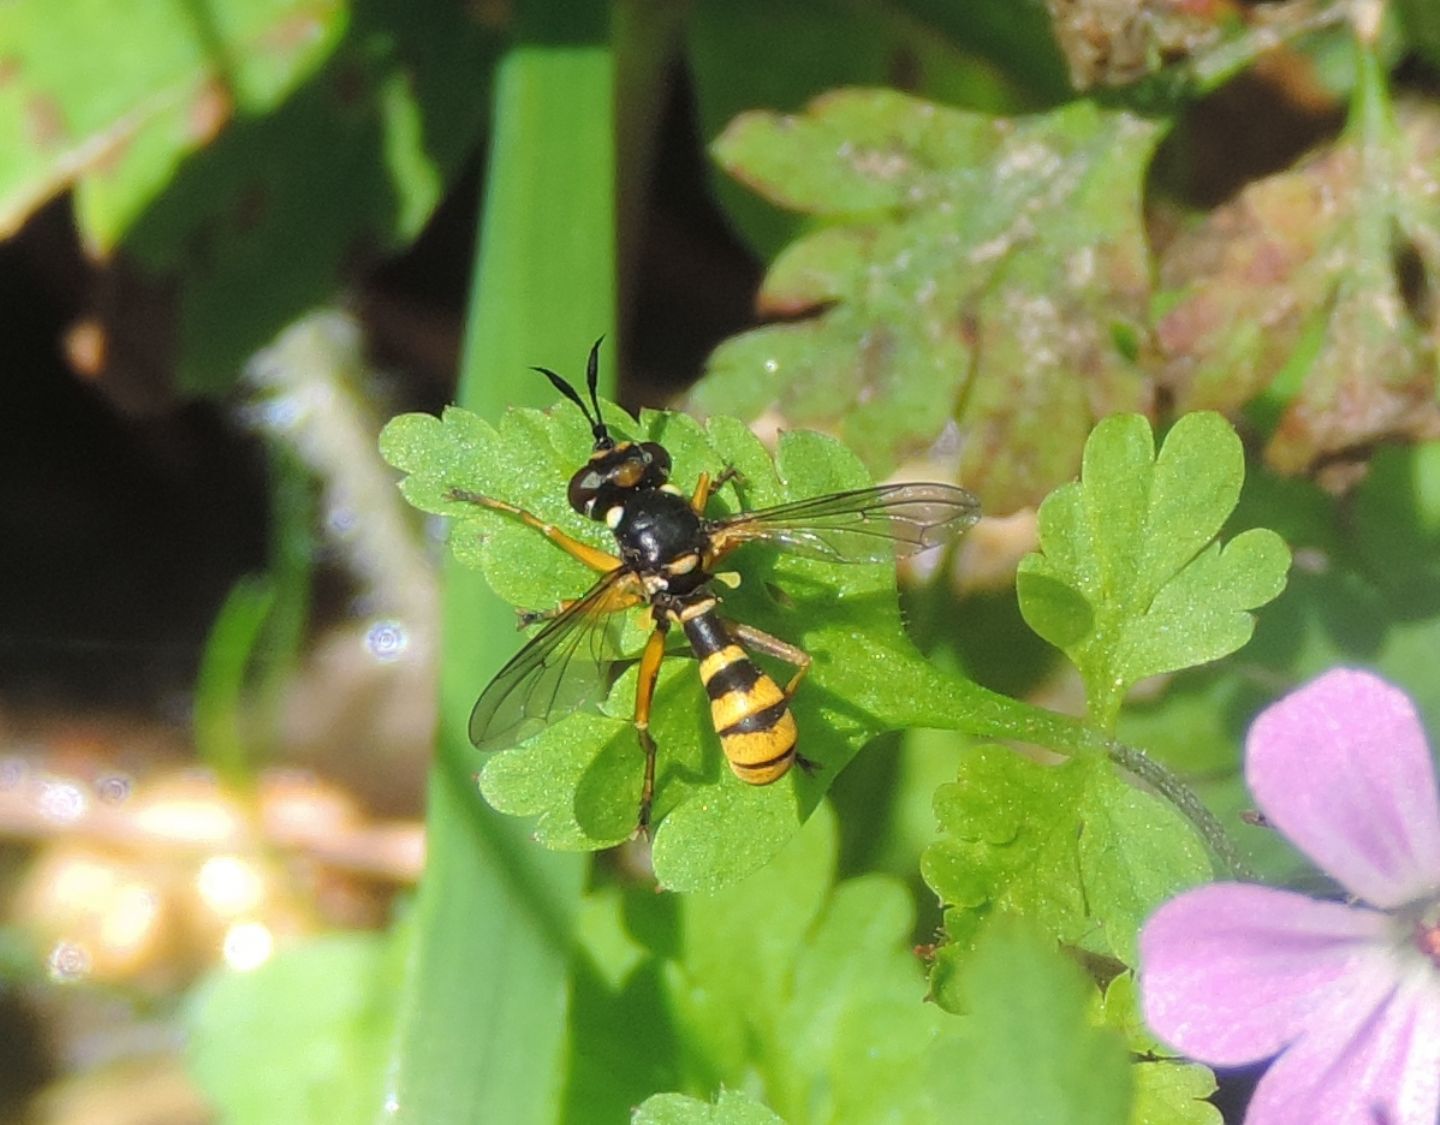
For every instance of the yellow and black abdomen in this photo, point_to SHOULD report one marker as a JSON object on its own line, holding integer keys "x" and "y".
{"x": 750, "y": 712}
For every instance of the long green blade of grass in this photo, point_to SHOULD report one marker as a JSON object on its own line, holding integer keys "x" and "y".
{"x": 481, "y": 1029}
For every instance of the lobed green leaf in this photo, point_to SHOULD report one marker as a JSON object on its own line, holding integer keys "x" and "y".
{"x": 804, "y": 992}
{"x": 741, "y": 54}
{"x": 1368, "y": 595}
{"x": 1167, "y": 1088}
{"x": 1295, "y": 295}
{"x": 970, "y": 271}
{"x": 1074, "y": 849}
{"x": 1127, "y": 582}
{"x": 731, "y": 1107}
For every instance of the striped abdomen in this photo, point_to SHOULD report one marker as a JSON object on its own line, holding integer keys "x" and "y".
{"x": 750, "y": 712}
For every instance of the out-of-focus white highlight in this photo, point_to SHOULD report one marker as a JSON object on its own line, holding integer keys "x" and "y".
{"x": 230, "y": 885}
{"x": 248, "y": 945}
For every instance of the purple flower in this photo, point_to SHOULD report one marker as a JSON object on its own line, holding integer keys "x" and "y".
{"x": 1347, "y": 995}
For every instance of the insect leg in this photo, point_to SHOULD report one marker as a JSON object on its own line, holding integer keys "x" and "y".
{"x": 705, "y": 487}
{"x": 761, "y": 641}
{"x": 701, "y": 496}
{"x": 524, "y": 618}
{"x": 592, "y": 557}
{"x": 650, "y": 661}
{"x": 770, "y": 645}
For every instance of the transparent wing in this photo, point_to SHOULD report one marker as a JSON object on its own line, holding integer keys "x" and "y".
{"x": 863, "y": 525}
{"x": 565, "y": 665}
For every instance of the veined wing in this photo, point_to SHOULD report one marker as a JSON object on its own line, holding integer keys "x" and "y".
{"x": 862, "y": 525}
{"x": 562, "y": 667}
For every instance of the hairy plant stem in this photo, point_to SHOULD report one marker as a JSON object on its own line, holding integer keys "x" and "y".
{"x": 1169, "y": 786}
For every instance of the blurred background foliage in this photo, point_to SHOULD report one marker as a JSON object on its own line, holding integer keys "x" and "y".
{"x": 241, "y": 233}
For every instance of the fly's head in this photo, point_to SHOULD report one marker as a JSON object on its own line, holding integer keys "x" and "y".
{"x": 615, "y": 470}
{"x": 612, "y": 474}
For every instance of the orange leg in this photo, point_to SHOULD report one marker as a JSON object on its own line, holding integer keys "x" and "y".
{"x": 592, "y": 557}
{"x": 701, "y": 496}
{"x": 705, "y": 488}
{"x": 770, "y": 645}
{"x": 650, "y": 661}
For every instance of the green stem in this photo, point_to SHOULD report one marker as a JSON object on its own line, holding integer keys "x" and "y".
{"x": 1171, "y": 89}
{"x": 950, "y": 703}
{"x": 1185, "y": 800}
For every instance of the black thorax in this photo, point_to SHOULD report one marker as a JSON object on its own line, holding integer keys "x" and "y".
{"x": 658, "y": 528}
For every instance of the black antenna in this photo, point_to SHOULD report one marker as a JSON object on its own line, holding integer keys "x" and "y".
{"x": 603, "y": 440}
{"x": 592, "y": 376}
{"x": 567, "y": 390}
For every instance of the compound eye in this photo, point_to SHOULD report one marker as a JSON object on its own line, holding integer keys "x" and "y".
{"x": 584, "y": 487}
{"x": 659, "y": 461}
{"x": 629, "y": 472}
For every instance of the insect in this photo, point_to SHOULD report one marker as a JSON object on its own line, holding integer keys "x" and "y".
{"x": 666, "y": 551}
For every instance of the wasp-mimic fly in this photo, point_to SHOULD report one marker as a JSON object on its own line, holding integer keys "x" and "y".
{"x": 665, "y": 557}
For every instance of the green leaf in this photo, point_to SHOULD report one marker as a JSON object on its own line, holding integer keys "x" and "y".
{"x": 1172, "y": 1092}
{"x": 1396, "y": 513}
{"x": 482, "y": 1020}
{"x": 349, "y": 167}
{"x": 732, "y": 1107}
{"x": 829, "y": 991}
{"x": 1368, "y": 593}
{"x": 741, "y": 54}
{"x": 111, "y": 101}
{"x": 969, "y": 271}
{"x": 1297, "y": 294}
{"x": 804, "y": 992}
{"x": 1026, "y": 1051}
{"x": 315, "y": 1021}
{"x": 1080, "y": 853}
{"x": 1129, "y": 582}
{"x": 1167, "y": 1089}
{"x": 582, "y": 776}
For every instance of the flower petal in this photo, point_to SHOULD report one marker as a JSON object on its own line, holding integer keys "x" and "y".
{"x": 1342, "y": 768}
{"x": 1362, "y": 1066}
{"x": 1232, "y": 973}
